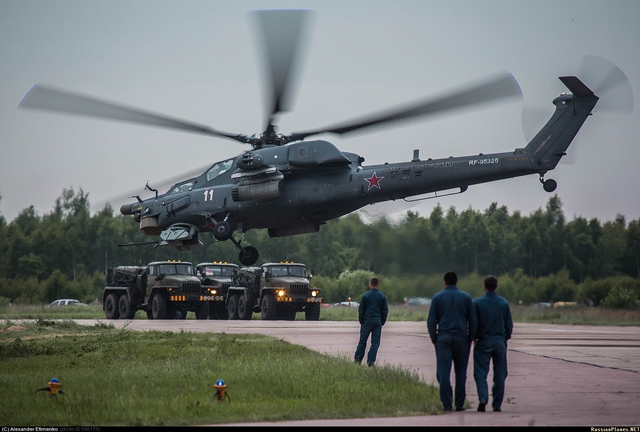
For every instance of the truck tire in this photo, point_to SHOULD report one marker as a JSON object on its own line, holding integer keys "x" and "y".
{"x": 268, "y": 307}
{"x": 125, "y": 309}
{"x": 245, "y": 312}
{"x": 202, "y": 311}
{"x": 159, "y": 307}
{"x": 232, "y": 307}
{"x": 285, "y": 313}
{"x": 111, "y": 310}
{"x": 218, "y": 311}
{"x": 312, "y": 312}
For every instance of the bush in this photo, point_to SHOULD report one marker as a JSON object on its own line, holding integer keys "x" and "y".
{"x": 621, "y": 298}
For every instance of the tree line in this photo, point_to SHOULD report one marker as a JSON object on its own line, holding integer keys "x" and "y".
{"x": 540, "y": 257}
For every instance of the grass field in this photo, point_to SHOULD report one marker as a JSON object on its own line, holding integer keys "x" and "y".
{"x": 577, "y": 315}
{"x": 124, "y": 377}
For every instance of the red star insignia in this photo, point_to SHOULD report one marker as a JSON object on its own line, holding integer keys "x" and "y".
{"x": 374, "y": 181}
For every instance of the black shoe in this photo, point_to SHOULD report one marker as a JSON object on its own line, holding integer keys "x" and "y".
{"x": 370, "y": 364}
{"x": 461, "y": 409}
{"x": 355, "y": 360}
{"x": 497, "y": 410}
{"x": 446, "y": 409}
{"x": 481, "y": 407}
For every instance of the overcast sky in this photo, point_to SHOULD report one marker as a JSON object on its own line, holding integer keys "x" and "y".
{"x": 198, "y": 61}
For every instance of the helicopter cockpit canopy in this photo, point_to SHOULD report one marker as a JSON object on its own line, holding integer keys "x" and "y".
{"x": 181, "y": 187}
{"x": 219, "y": 168}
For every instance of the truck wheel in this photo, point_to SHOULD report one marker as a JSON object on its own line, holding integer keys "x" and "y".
{"x": 232, "y": 307}
{"x": 125, "y": 309}
{"x": 268, "y": 307}
{"x": 245, "y": 312}
{"x": 149, "y": 314}
{"x": 159, "y": 307}
{"x": 312, "y": 312}
{"x": 285, "y": 313}
{"x": 202, "y": 311}
{"x": 218, "y": 311}
{"x": 111, "y": 310}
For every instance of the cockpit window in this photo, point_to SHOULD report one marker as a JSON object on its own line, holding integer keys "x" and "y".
{"x": 219, "y": 169}
{"x": 181, "y": 187}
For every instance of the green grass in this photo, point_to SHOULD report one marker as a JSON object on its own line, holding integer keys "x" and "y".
{"x": 125, "y": 377}
{"x": 565, "y": 315}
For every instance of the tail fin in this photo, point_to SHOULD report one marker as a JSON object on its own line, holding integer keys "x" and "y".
{"x": 551, "y": 143}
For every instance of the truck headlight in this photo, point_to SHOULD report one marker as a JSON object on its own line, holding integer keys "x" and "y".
{"x": 281, "y": 293}
{"x": 314, "y": 293}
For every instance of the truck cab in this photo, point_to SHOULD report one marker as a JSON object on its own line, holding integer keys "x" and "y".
{"x": 216, "y": 278}
{"x": 163, "y": 289}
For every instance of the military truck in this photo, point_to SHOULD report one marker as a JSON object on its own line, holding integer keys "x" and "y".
{"x": 216, "y": 276}
{"x": 275, "y": 290}
{"x": 163, "y": 289}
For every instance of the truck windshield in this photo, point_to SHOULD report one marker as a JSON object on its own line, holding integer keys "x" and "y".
{"x": 181, "y": 269}
{"x": 218, "y": 271}
{"x": 288, "y": 270}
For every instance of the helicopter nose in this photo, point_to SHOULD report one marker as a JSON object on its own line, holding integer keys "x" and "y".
{"x": 125, "y": 209}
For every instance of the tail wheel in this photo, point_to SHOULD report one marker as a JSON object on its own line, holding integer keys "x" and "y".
{"x": 268, "y": 307}
{"x": 159, "y": 307}
{"x": 111, "y": 310}
{"x": 248, "y": 256}
{"x": 125, "y": 309}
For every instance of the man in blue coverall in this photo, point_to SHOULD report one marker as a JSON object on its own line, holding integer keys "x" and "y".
{"x": 452, "y": 326}
{"x": 372, "y": 314}
{"x": 494, "y": 330}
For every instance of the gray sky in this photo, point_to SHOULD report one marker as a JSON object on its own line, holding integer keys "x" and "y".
{"x": 198, "y": 61}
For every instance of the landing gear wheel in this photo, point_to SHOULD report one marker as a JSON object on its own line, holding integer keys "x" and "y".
{"x": 268, "y": 308}
{"x": 245, "y": 312}
{"x": 159, "y": 307}
{"x": 312, "y": 312}
{"x": 549, "y": 185}
{"x": 125, "y": 309}
{"x": 248, "y": 256}
{"x": 111, "y": 310}
{"x": 202, "y": 311}
{"x": 232, "y": 307}
{"x": 222, "y": 231}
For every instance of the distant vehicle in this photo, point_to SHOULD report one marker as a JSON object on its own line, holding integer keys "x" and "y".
{"x": 418, "y": 301}
{"x": 67, "y": 302}
{"x": 347, "y": 303}
{"x": 542, "y": 305}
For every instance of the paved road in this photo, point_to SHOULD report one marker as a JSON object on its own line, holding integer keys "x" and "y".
{"x": 559, "y": 375}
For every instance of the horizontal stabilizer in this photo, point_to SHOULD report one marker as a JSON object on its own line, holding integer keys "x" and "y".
{"x": 577, "y": 87}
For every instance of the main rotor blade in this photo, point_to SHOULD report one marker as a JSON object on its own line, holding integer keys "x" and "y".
{"x": 504, "y": 86}
{"x": 282, "y": 32}
{"x": 161, "y": 185}
{"x": 47, "y": 98}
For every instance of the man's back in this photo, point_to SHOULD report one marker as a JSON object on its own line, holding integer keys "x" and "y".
{"x": 494, "y": 317}
{"x": 451, "y": 312}
{"x": 373, "y": 306}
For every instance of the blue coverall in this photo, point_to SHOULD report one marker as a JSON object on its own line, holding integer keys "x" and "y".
{"x": 452, "y": 326}
{"x": 372, "y": 314}
{"x": 495, "y": 326}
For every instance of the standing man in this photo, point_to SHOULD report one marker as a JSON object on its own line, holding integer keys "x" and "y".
{"x": 494, "y": 330}
{"x": 372, "y": 314}
{"x": 452, "y": 326}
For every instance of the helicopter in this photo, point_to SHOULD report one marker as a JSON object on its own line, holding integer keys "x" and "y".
{"x": 291, "y": 185}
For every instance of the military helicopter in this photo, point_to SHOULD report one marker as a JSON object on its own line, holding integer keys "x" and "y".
{"x": 290, "y": 185}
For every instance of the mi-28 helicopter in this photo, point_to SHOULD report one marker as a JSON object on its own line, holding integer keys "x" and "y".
{"x": 290, "y": 185}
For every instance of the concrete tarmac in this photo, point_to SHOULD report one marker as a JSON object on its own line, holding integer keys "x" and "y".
{"x": 559, "y": 375}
